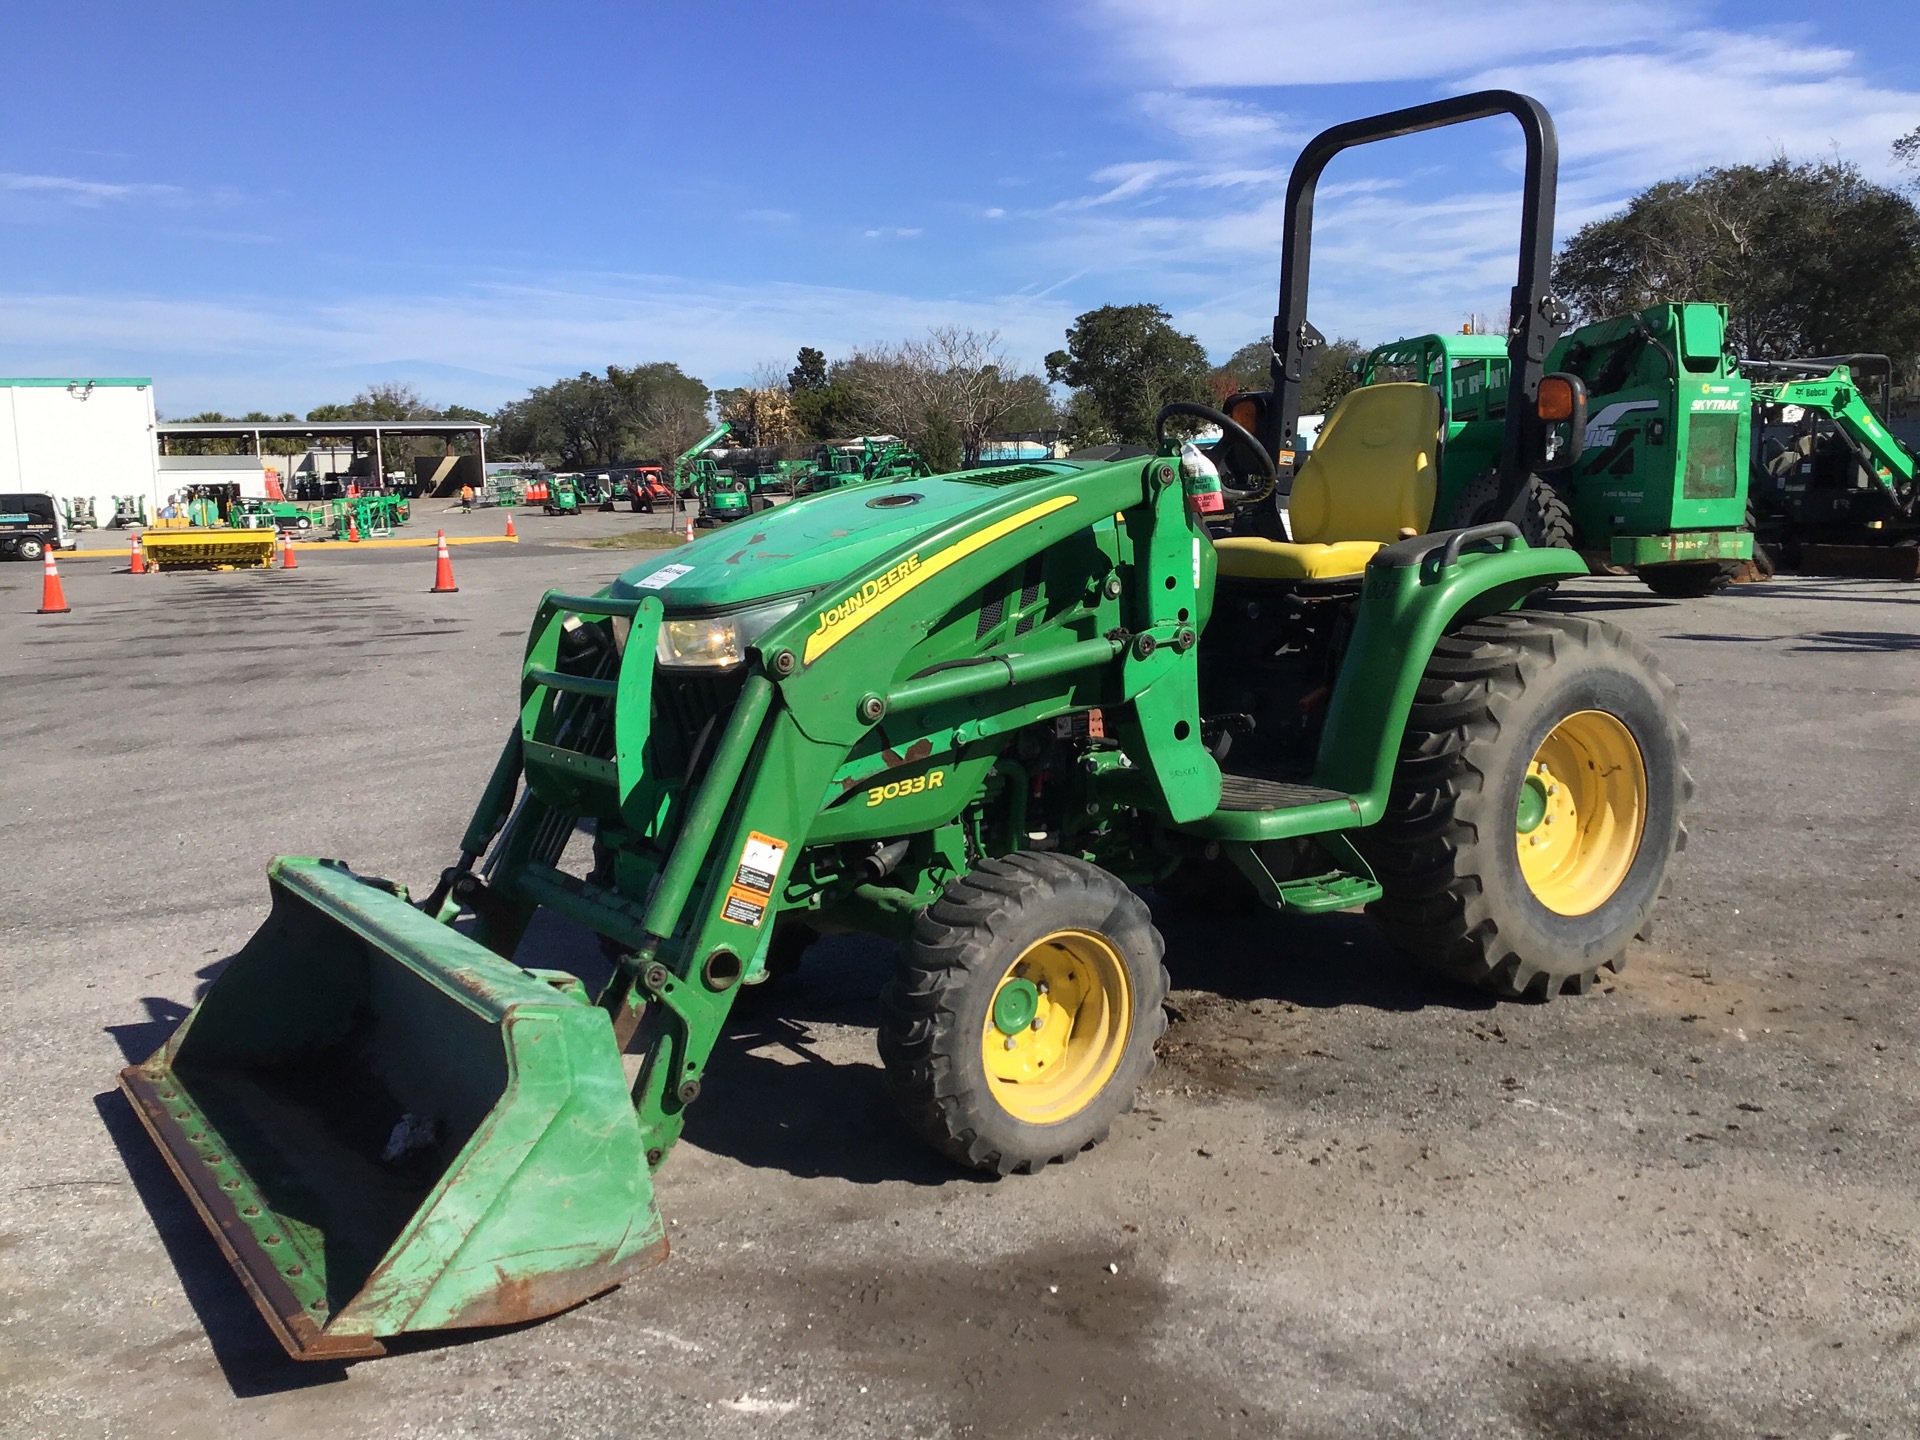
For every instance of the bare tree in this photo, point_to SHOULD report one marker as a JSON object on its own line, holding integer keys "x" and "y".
{"x": 953, "y": 379}
{"x": 667, "y": 422}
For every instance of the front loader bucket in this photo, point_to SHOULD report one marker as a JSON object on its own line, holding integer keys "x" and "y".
{"x": 389, "y": 1128}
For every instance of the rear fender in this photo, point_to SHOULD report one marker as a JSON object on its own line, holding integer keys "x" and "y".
{"x": 1412, "y": 594}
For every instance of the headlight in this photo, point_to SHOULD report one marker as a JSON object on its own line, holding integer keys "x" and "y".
{"x": 719, "y": 641}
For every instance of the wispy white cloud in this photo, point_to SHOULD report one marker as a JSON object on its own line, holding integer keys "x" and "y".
{"x": 70, "y": 190}
{"x": 1706, "y": 98}
{"x": 478, "y": 346}
{"x": 1212, "y": 121}
{"x": 1659, "y": 91}
{"x": 1229, "y": 43}
{"x": 893, "y": 232}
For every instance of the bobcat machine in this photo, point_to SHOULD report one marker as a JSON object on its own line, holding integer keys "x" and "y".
{"x": 970, "y": 715}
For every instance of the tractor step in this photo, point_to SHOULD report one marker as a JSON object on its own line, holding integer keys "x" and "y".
{"x": 1250, "y": 792}
{"x": 1318, "y": 894}
{"x": 1254, "y": 808}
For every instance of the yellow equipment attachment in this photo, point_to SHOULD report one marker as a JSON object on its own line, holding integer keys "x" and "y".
{"x": 208, "y": 549}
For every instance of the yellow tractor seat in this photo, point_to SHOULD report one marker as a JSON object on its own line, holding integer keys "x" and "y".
{"x": 1370, "y": 476}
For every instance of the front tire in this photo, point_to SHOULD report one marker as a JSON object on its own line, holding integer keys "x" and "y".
{"x": 1523, "y": 723}
{"x": 1545, "y": 520}
{"x": 1024, "y": 1014}
{"x": 29, "y": 547}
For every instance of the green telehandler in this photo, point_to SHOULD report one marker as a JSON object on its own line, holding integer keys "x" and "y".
{"x": 1662, "y": 486}
{"x": 966, "y": 714}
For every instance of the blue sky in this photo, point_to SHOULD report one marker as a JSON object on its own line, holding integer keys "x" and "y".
{"x": 272, "y": 205}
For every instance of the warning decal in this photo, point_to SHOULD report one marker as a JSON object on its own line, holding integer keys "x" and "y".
{"x": 752, "y": 889}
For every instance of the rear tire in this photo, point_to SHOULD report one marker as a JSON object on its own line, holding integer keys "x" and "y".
{"x": 1689, "y": 579}
{"x": 29, "y": 547}
{"x": 1545, "y": 520}
{"x": 1519, "y": 721}
{"x": 1027, "y": 942}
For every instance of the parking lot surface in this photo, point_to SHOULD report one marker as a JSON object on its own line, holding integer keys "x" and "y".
{"x": 1355, "y": 1202}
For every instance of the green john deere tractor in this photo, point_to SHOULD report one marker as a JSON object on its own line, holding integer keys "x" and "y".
{"x": 1662, "y": 486}
{"x": 966, "y": 714}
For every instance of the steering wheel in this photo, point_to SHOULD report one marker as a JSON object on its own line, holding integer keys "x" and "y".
{"x": 1232, "y": 431}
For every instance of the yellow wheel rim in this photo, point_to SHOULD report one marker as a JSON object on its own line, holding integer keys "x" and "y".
{"x": 1074, "y": 987}
{"x": 1582, "y": 810}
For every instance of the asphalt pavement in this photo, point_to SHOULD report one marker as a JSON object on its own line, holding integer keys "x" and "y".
{"x": 1354, "y": 1202}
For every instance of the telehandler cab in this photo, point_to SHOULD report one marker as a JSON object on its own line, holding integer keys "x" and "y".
{"x": 971, "y": 712}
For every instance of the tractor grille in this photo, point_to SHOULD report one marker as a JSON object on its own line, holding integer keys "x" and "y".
{"x": 688, "y": 707}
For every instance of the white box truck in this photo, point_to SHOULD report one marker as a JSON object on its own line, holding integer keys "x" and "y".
{"x": 79, "y": 439}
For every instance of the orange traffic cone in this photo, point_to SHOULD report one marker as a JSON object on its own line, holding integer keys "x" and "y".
{"x": 511, "y": 533}
{"x": 689, "y": 527}
{"x": 139, "y": 563}
{"x": 443, "y": 571}
{"x": 53, "y": 599}
{"x": 287, "y": 562}
{"x": 353, "y": 530}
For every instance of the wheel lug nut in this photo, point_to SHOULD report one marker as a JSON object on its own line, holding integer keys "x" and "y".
{"x": 1037, "y": 1023}
{"x": 1010, "y": 1042}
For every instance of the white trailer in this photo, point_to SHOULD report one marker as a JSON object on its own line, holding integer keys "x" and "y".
{"x": 79, "y": 439}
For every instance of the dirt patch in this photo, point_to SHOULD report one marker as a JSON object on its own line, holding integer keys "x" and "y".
{"x": 632, "y": 540}
{"x": 1559, "y": 1398}
{"x": 1218, "y": 1046}
{"x": 1721, "y": 1001}
{"x": 1048, "y": 1341}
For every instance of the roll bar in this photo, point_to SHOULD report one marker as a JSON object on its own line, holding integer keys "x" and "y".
{"x": 1535, "y": 320}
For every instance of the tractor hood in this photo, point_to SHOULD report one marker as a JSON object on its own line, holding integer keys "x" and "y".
{"x": 815, "y": 541}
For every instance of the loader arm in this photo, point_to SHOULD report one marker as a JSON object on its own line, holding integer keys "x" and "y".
{"x": 1839, "y": 398}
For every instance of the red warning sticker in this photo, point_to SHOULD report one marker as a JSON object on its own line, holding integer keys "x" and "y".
{"x": 751, "y": 892}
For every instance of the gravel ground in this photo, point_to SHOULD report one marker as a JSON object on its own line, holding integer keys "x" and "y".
{"x": 1354, "y": 1202}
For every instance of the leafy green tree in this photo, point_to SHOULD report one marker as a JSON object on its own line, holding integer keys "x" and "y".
{"x": 1811, "y": 258}
{"x": 650, "y": 411}
{"x": 809, "y": 370}
{"x": 1329, "y": 372}
{"x": 939, "y": 444}
{"x": 1130, "y": 361}
{"x": 1031, "y": 407}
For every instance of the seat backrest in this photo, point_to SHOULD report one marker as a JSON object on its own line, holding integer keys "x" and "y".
{"x": 1372, "y": 470}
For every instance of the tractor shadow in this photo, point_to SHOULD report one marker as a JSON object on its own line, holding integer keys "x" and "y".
{"x": 771, "y": 1099}
{"x": 246, "y": 1351}
{"x": 248, "y": 1355}
{"x": 1318, "y": 962}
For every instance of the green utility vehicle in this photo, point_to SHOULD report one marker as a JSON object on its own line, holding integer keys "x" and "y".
{"x": 269, "y": 514}
{"x": 967, "y": 714}
{"x": 1827, "y": 470}
{"x": 1662, "y": 487}
{"x": 563, "y": 495}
